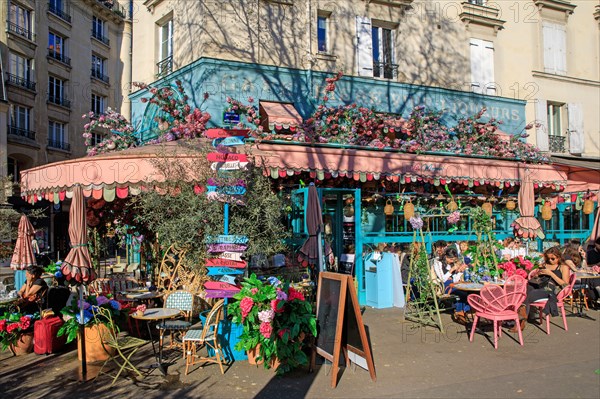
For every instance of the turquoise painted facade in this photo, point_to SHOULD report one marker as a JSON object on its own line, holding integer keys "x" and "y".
{"x": 239, "y": 80}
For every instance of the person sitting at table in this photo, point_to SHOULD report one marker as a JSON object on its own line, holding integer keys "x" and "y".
{"x": 33, "y": 292}
{"x": 449, "y": 270}
{"x": 464, "y": 248}
{"x": 438, "y": 249}
{"x": 545, "y": 283}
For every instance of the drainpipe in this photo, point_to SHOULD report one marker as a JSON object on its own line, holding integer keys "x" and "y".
{"x": 309, "y": 56}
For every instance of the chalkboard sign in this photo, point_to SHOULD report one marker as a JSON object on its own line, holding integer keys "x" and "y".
{"x": 340, "y": 324}
{"x": 328, "y": 311}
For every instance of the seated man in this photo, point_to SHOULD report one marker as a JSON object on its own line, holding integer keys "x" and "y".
{"x": 33, "y": 292}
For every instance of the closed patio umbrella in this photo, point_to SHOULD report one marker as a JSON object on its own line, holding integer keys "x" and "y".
{"x": 312, "y": 250}
{"x": 23, "y": 256}
{"x": 527, "y": 226}
{"x": 78, "y": 263}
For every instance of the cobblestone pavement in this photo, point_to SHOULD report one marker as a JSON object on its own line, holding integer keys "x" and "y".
{"x": 410, "y": 361}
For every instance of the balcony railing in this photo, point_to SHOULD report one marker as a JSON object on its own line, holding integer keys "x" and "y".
{"x": 20, "y": 81}
{"x": 63, "y": 102}
{"x": 64, "y": 15}
{"x": 17, "y": 131}
{"x": 99, "y": 75}
{"x": 114, "y": 7}
{"x": 14, "y": 28}
{"x": 61, "y": 145}
{"x": 59, "y": 56}
{"x": 385, "y": 70}
{"x": 99, "y": 36}
{"x": 165, "y": 67}
{"x": 557, "y": 144}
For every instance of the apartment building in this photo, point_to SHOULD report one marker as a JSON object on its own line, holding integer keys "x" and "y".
{"x": 526, "y": 61}
{"x": 60, "y": 59}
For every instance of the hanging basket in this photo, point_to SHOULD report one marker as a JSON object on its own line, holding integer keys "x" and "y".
{"x": 588, "y": 206}
{"x": 547, "y": 211}
{"x": 451, "y": 206}
{"x": 487, "y": 207}
{"x": 510, "y": 205}
{"x": 409, "y": 211}
{"x": 389, "y": 208}
{"x": 349, "y": 211}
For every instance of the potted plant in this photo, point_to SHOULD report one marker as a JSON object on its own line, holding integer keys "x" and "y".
{"x": 276, "y": 319}
{"x": 16, "y": 332}
{"x": 96, "y": 325}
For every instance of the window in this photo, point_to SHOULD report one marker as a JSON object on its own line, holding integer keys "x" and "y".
{"x": 165, "y": 51}
{"x": 57, "y": 48}
{"x": 56, "y": 90}
{"x": 98, "y": 68}
{"x": 482, "y": 67}
{"x": 96, "y": 138}
{"x": 383, "y": 52}
{"x": 555, "y": 48}
{"x": 58, "y": 8}
{"x": 19, "y": 71}
{"x": 478, "y": 2}
{"x": 20, "y": 117}
{"x": 19, "y": 20}
{"x": 98, "y": 30}
{"x": 323, "y": 34}
{"x": 98, "y": 104}
{"x": 57, "y": 137}
{"x": 556, "y": 130}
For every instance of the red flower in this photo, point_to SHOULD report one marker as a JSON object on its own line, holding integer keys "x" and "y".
{"x": 266, "y": 329}
{"x": 293, "y": 294}
{"x": 274, "y": 304}
{"x": 246, "y": 306}
{"x": 12, "y": 327}
{"x": 2, "y": 325}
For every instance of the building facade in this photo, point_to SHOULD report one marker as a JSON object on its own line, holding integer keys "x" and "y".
{"x": 542, "y": 54}
{"x": 60, "y": 59}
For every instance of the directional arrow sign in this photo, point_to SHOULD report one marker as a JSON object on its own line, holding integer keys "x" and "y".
{"x": 226, "y": 157}
{"x": 230, "y": 165}
{"x": 215, "y": 133}
{"x": 231, "y": 190}
{"x": 219, "y": 271}
{"x": 226, "y": 247}
{"x": 226, "y": 239}
{"x": 219, "y": 285}
{"x": 218, "y": 262}
{"x": 228, "y": 141}
{"x": 219, "y": 293}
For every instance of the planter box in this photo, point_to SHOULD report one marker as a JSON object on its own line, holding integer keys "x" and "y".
{"x": 229, "y": 334}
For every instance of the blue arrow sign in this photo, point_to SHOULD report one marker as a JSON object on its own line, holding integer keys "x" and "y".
{"x": 219, "y": 271}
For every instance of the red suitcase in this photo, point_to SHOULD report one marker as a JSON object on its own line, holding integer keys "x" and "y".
{"x": 45, "y": 338}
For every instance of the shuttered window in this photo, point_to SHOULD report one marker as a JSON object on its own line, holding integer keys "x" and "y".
{"x": 482, "y": 67}
{"x": 555, "y": 48}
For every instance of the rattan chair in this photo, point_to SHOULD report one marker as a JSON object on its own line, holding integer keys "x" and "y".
{"x": 184, "y": 301}
{"x": 207, "y": 338}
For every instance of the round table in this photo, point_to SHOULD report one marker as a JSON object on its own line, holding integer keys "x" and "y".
{"x": 152, "y": 315}
{"x": 474, "y": 287}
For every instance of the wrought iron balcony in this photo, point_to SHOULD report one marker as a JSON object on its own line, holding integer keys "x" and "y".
{"x": 557, "y": 143}
{"x": 385, "y": 70}
{"x": 99, "y": 36}
{"x": 114, "y": 6}
{"x": 99, "y": 75}
{"x": 64, "y": 15}
{"x": 165, "y": 67}
{"x": 17, "y": 131}
{"x": 61, "y": 145}
{"x": 20, "y": 81}
{"x": 63, "y": 102}
{"x": 14, "y": 28}
{"x": 59, "y": 56}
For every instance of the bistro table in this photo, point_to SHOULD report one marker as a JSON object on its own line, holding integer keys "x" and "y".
{"x": 584, "y": 276}
{"x": 154, "y": 315}
{"x": 474, "y": 287}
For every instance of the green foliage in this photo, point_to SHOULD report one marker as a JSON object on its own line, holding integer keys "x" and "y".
{"x": 484, "y": 252}
{"x": 13, "y": 325}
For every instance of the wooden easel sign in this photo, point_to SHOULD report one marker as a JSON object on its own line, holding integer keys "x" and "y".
{"x": 340, "y": 325}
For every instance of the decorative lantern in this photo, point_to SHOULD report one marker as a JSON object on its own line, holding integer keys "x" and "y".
{"x": 510, "y": 205}
{"x": 547, "y": 211}
{"x": 409, "y": 210}
{"x": 389, "y": 208}
{"x": 452, "y": 206}
{"x": 487, "y": 207}
{"x": 588, "y": 206}
{"x": 349, "y": 211}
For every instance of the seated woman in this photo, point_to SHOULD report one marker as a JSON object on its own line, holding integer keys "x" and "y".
{"x": 33, "y": 292}
{"x": 449, "y": 270}
{"x": 552, "y": 276}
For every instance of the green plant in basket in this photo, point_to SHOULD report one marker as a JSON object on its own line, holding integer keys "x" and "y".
{"x": 72, "y": 315}
{"x": 276, "y": 318}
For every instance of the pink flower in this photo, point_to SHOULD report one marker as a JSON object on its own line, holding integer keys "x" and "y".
{"x": 282, "y": 332}
{"x": 266, "y": 316}
{"x": 266, "y": 329}
{"x": 246, "y": 306}
{"x": 521, "y": 272}
{"x": 293, "y": 294}
{"x": 12, "y": 327}
{"x": 254, "y": 291}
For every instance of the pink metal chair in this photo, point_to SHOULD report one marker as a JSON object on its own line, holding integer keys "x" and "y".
{"x": 498, "y": 304}
{"x": 564, "y": 293}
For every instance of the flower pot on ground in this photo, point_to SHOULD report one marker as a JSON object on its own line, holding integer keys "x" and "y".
{"x": 23, "y": 345}
{"x": 95, "y": 350}
{"x": 255, "y": 359}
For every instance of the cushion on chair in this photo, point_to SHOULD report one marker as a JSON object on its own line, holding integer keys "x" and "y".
{"x": 174, "y": 325}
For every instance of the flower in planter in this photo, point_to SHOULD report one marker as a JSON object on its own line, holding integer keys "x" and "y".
{"x": 13, "y": 325}
{"x": 276, "y": 317}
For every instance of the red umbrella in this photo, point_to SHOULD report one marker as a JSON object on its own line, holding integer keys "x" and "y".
{"x": 23, "y": 254}
{"x": 78, "y": 264}
{"x": 527, "y": 226}
{"x": 310, "y": 251}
